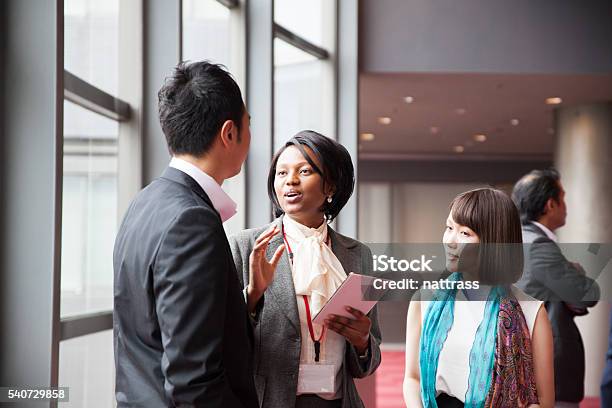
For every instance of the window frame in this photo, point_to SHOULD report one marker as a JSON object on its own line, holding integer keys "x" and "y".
{"x": 84, "y": 94}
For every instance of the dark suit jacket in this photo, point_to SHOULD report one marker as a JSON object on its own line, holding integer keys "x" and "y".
{"x": 606, "y": 381}
{"x": 181, "y": 333}
{"x": 566, "y": 293}
{"x": 277, "y": 334}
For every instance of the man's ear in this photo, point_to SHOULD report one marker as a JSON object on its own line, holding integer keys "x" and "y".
{"x": 550, "y": 205}
{"x": 228, "y": 133}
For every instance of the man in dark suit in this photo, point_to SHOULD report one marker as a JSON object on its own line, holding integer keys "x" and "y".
{"x": 550, "y": 277}
{"x": 181, "y": 327}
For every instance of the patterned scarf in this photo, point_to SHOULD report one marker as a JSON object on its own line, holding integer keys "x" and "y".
{"x": 513, "y": 382}
{"x": 501, "y": 364}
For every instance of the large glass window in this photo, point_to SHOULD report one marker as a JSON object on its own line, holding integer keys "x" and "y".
{"x": 304, "y": 68}
{"x": 302, "y": 95}
{"x": 87, "y": 366}
{"x": 206, "y": 31}
{"x": 89, "y": 210}
{"x": 308, "y": 19}
{"x": 91, "y": 41}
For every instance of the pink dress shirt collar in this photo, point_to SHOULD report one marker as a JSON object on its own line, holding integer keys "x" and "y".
{"x": 225, "y": 206}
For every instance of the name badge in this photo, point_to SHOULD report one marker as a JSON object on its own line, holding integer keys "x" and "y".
{"x": 317, "y": 379}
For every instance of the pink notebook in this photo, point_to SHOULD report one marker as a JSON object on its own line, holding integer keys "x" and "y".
{"x": 350, "y": 293}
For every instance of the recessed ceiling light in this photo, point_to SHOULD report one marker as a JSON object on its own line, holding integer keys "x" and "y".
{"x": 554, "y": 100}
{"x": 434, "y": 129}
{"x": 460, "y": 111}
{"x": 367, "y": 137}
{"x": 384, "y": 120}
{"x": 408, "y": 99}
{"x": 514, "y": 122}
{"x": 459, "y": 149}
{"x": 480, "y": 138}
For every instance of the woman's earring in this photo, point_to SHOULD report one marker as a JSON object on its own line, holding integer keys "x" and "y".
{"x": 329, "y": 199}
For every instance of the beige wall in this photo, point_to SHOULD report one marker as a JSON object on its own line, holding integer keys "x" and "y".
{"x": 407, "y": 212}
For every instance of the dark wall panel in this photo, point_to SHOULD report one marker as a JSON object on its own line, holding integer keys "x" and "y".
{"x": 519, "y": 36}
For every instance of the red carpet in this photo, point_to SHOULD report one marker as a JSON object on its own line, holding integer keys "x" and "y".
{"x": 389, "y": 378}
{"x": 390, "y": 375}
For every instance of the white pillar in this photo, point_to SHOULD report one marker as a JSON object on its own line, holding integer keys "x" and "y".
{"x": 584, "y": 160}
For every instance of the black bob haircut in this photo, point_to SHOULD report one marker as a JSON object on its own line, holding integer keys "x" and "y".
{"x": 533, "y": 190}
{"x": 498, "y": 258}
{"x": 337, "y": 170}
{"x": 194, "y": 102}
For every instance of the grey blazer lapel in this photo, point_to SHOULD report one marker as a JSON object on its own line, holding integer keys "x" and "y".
{"x": 281, "y": 288}
{"x": 344, "y": 251}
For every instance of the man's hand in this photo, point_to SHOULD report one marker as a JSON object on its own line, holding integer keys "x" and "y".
{"x": 261, "y": 272}
{"x": 356, "y": 331}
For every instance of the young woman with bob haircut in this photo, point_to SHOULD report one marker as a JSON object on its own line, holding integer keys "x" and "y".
{"x": 490, "y": 347}
{"x": 299, "y": 261}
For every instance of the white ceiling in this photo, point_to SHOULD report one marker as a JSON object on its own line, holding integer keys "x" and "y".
{"x": 490, "y": 102}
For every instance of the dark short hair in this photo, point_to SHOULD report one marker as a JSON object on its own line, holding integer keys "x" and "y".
{"x": 337, "y": 170}
{"x": 194, "y": 102}
{"x": 492, "y": 215}
{"x": 533, "y": 190}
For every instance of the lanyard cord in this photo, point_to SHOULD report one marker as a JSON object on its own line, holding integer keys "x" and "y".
{"x": 317, "y": 342}
{"x": 310, "y": 326}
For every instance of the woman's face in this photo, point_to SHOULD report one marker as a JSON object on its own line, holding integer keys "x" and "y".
{"x": 455, "y": 238}
{"x": 298, "y": 187}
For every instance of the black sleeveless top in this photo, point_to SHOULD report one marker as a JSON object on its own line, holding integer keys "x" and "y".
{"x": 446, "y": 401}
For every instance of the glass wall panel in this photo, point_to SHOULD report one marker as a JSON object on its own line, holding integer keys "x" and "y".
{"x": 303, "y": 93}
{"x": 304, "y": 18}
{"x": 89, "y": 211}
{"x": 91, "y": 41}
{"x": 206, "y": 31}
{"x": 304, "y": 86}
{"x": 87, "y": 367}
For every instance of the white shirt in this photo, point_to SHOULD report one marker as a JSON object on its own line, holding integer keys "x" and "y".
{"x": 225, "y": 206}
{"x": 454, "y": 363}
{"x": 548, "y": 232}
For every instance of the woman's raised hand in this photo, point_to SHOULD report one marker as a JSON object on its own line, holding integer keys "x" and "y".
{"x": 261, "y": 271}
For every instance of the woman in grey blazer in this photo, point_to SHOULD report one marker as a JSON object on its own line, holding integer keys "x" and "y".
{"x": 298, "y": 261}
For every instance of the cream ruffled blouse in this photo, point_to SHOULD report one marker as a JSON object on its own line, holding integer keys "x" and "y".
{"x": 317, "y": 273}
